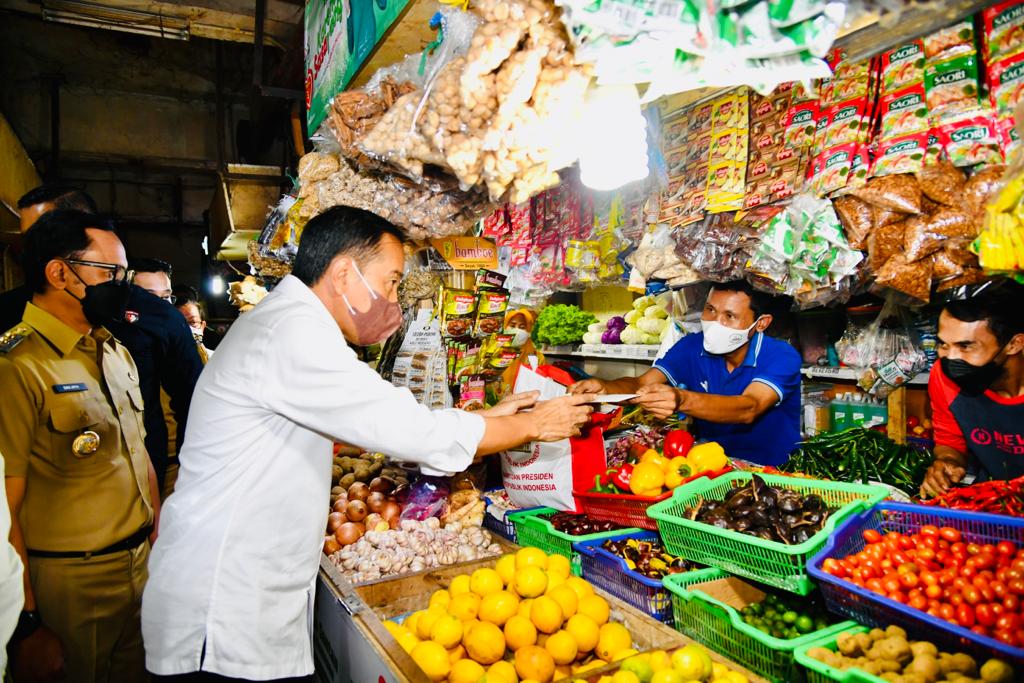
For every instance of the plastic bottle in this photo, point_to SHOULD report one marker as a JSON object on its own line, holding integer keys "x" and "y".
{"x": 839, "y": 412}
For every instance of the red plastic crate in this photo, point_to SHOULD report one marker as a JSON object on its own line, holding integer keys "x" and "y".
{"x": 627, "y": 509}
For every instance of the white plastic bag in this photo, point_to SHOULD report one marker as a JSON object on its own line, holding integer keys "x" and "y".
{"x": 541, "y": 475}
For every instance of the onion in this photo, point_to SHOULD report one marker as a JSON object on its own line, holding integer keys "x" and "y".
{"x": 334, "y": 520}
{"x": 348, "y": 533}
{"x": 358, "y": 491}
{"x": 372, "y": 520}
{"x": 391, "y": 511}
{"x": 382, "y": 484}
{"x": 339, "y": 505}
{"x": 356, "y": 510}
{"x": 331, "y": 545}
{"x": 375, "y": 501}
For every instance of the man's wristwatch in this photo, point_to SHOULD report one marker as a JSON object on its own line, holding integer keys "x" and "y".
{"x": 28, "y": 623}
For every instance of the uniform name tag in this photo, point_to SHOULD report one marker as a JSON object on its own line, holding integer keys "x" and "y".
{"x": 69, "y": 388}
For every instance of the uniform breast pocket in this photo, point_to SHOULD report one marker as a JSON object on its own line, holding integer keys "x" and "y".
{"x": 80, "y": 430}
{"x": 138, "y": 407}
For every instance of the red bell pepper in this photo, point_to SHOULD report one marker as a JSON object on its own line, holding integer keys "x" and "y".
{"x": 678, "y": 443}
{"x": 622, "y": 476}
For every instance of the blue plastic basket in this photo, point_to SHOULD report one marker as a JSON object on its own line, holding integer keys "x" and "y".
{"x": 872, "y": 609}
{"x": 506, "y": 529}
{"x": 610, "y": 572}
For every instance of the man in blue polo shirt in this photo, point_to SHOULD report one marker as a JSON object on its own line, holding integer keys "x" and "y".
{"x": 741, "y": 388}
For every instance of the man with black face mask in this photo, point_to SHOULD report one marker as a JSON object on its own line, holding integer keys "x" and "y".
{"x": 80, "y": 486}
{"x": 977, "y": 389}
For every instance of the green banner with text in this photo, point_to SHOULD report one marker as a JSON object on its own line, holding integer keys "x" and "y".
{"x": 340, "y": 34}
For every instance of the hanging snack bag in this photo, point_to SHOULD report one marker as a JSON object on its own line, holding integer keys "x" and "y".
{"x": 970, "y": 139}
{"x": 942, "y": 182}
{"x": 899, "y": 193}
{"x": 458, "y": 312}
{"x": 490, "y": 315}
{"x": 902, "y": 66}
{"x": 1003, "y": 29}
{"x": 955, "y": 39}
{"x": 952, "y": 84}
{"x": 1006, "y": 84}
{"x": 901, "y": 155}
{"x": 904, "y": 112}
{"x": 855, "y": 216}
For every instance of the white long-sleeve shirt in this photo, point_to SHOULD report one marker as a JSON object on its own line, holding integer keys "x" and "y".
{"x": 240, "y": 538}
{"x": 12, "y": 590}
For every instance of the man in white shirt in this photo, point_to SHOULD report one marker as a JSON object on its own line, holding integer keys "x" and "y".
{"x": 12, "y": 589}
{"x": 232, "y": 575}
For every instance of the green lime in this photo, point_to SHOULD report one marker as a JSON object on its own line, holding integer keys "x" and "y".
{"x": 789, "y": 617}
{"x": 804, "y": 624}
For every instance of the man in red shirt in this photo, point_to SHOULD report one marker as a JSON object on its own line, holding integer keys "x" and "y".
{"x": 977, "y": 389}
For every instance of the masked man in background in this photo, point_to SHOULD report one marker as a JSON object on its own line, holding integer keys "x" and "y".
{"x": 977, "y": 390}
{"x": 741, "y": 387}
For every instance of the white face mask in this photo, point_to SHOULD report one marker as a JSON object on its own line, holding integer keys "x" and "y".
{"x": 197, "y": 332}
{"x": 719, "y": 339}
{"x": 519, "y": 337}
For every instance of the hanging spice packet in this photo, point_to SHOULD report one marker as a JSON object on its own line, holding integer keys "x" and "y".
{"x": 491, "y": 306}
{"x": 801, "y": 124}
{"x": 904, "y": 154}
{"x": 458, "y": 312}
{"x": 1003, "y": 29}
{"x": 904, "y": 112}
{"x": 902, "y": 66}
{"x": 970, "y": 139}
{"x": 848, "y": 122}
{"x": 1006, "y": 84}
{"x": 958, "y": 38}
{"x": 952, "y": 84}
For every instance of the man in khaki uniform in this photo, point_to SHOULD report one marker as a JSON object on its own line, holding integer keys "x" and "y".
{"x": 79, "y": 482}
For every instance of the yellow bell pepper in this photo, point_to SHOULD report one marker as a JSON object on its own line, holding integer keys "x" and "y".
{"x": 678, "y": 469}
{"x": 654, "y": 457}
{"x": 647, "y": 479}
{"x": 707, "y": 457}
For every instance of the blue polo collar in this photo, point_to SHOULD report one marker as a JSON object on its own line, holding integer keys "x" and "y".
{"x": 753, "y": 351}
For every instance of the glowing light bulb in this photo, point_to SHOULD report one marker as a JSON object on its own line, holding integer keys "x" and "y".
{"x": 217, "y": 284}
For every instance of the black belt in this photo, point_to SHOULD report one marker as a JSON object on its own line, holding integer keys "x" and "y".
{"x": 130, "y": 543}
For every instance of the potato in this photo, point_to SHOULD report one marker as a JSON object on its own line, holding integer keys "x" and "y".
{"x": 996, "y": 671}
{"x": 863, "y": 641}
{"x": 895, "y": 632}
{"x": 347, "y": 481}
{"x": 889, "y": 665}
{"x": 923, "y": 647}
{"x": 924, "y": 665}
{"x": 821, "y": 654}
{"x": 876, "y": 634}
{"x": 890, "y": 676}
{"x": 847, "y": 644}
{"x": 964, "y": 664}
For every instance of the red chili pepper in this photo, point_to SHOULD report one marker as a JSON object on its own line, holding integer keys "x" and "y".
{"x": 678, "y": 442}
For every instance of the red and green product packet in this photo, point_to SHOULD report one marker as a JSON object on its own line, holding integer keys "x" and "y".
{"x": 902, "y": 66}
{"x": 971, "y": 139}
{"x": 800, "y": 124}
{"x": 935, "y": 150}
{"x": 1008, "y": 137}
{"x": 1006, "y": 84}
{"x": 954, "y": 39}
{"x": 848, "y": 122}
{"x": 834, "y": 168}
{"x": 952, "y": 84}
{"x": 1003, "y": 29}
{"x": 904, "y": 112}
{"x": 901, "y": 155}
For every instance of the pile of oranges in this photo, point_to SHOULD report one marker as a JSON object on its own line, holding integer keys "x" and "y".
{"x": 527, "y": 620}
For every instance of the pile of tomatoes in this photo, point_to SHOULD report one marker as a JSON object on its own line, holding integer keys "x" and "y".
{"x": 977, "y": 586}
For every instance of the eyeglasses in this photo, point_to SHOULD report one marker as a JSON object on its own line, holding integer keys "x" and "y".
{"x": 117, "y": 273}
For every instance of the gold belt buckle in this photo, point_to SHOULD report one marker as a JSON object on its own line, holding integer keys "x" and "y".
{"x": 85, "y": 444}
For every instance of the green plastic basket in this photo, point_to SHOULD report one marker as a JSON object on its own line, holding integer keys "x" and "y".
{"x": 721, "y": 628}
{"x": 533, "y": 531}
{"x": 819, "y": 672}
{"x": 776, "y": 564}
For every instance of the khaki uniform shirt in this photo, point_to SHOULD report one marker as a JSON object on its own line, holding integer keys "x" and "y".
{"x": 57, "y": 385}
